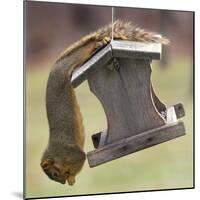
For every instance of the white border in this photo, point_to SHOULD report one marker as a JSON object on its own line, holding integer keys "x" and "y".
{"x": 11, "y": 87}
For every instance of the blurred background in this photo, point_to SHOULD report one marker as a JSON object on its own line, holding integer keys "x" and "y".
{"x": 49, "y": 29}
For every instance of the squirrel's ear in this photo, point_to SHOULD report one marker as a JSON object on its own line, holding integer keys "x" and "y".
{"x": 46, "y": 163}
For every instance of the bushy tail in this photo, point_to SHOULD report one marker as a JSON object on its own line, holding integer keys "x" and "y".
{"x": 121, "y": 31}
{"x": 128, "y": 31}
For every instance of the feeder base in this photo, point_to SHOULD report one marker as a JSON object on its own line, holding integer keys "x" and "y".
{"x": 135, "y": 143}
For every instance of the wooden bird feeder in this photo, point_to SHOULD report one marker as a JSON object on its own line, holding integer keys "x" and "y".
{"x": 120, "y": 77}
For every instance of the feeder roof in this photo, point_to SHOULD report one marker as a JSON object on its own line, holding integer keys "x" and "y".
{"x": 116, "y": 49}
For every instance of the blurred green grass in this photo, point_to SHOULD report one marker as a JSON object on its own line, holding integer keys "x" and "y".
{"x": 169, "y": 165}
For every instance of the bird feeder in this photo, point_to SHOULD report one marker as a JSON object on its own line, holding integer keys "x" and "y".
{"x": 120, "y": 76}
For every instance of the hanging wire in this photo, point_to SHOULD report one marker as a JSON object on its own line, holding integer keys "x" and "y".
{"x": 113, "y": 20}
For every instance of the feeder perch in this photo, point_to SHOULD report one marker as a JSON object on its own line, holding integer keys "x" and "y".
{"x": 120, "y": 77}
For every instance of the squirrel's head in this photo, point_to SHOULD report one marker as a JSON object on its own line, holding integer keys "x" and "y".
{"x": 64, "y": 166}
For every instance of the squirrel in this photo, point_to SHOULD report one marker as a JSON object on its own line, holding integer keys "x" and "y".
{"x": 64, "y": 156}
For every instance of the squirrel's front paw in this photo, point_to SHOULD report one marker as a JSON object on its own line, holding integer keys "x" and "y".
{"x": 71, "y": 180}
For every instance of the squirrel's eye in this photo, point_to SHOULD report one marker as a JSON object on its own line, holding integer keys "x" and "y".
{"x": 67, "y": 172}
{"x": 55, "y": 174}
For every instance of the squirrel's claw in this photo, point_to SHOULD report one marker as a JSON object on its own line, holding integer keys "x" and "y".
{"x": 102, "y": 43}
{"x": 71, "y": 180}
